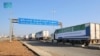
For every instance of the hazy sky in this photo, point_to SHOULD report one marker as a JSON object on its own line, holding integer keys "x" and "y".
{"x": 69, "y": 12}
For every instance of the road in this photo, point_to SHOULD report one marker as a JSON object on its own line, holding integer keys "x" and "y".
{"x": 64, "y": 50}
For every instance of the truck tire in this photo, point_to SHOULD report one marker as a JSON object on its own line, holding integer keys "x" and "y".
{"x": 73, "y": 43}
{"x": 64, "y": 42}
{"x": 52, "y": 41}
{"x": 57, "y": 41}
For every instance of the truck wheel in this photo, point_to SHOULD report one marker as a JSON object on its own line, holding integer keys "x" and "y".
{"x": 57, "y": 41}
{"x": 72, "y": 42}
{"x": 52, "y": 41}
{"x": 64, "y": 42}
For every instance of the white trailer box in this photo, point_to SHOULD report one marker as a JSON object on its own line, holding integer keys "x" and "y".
{"x": 79, "y": 33}
{"x": 32, "y": 36}
{"x": 97, "y": 31}
{"x": 42, "y": 34}
{"x": 26, "y": 37}
{"x": 92, "y": 31}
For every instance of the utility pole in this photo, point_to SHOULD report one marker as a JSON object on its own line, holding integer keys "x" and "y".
{"x": 60, "y": 24}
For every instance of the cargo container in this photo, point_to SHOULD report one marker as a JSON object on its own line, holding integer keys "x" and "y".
{"x": 52, "y": 36}
{"x": 32, "y": 36}
{"x": 42, "y": 35}
{"x": 79, "y": 34}
{"x": 26, "y": 37}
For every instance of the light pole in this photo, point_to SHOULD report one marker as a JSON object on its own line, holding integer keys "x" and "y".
{"x": 60, "y": 24}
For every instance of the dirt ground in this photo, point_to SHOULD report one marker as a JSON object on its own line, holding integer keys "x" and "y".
{"x": 14, "y": 48}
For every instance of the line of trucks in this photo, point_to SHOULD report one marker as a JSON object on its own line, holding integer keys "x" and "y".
{"x": 84, "y": 34}
{"x": 41, "y": 35}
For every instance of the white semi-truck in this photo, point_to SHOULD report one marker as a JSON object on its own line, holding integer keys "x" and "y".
{"x": 32, "y": 36}
{"x": 26, "y": 37}
{"x": 42, "y": 35}
{"x": 80, "y": 34}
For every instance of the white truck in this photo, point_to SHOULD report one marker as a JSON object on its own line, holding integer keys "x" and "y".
{"x": 42, "y": 35}
{"x": 26, "y": 37}
{"x": 79, "y": 34}
{"x": 32, "y": 36}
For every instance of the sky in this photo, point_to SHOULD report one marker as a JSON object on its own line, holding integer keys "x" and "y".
{"x": 69, "y": 12}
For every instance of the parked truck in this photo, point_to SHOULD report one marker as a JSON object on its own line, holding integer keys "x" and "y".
{"x": 42, "y": 35}
{"x": 80, "y": 34}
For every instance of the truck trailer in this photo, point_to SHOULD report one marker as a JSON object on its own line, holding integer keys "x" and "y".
{"x": 26, "y": 37}
{"x": 79, "y": 34}
{"x": 32, "y": 36}
{"x": 42, "y": 35}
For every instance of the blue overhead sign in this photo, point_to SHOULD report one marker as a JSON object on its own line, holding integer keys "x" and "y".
{"x": 7, "y": 4}
{"x": 37, "y": 21}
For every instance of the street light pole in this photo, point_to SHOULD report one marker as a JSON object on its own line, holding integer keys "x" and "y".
{"x": 60, "y": 23}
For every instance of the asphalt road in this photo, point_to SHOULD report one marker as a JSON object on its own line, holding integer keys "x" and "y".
{"x": 64, "y": 50}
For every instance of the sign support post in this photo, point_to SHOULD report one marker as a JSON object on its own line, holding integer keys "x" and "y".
{"x": 8, "y": 5}
{"x": 11, "y": 29}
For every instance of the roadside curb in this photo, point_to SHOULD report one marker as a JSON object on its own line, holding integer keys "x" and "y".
{"x": 30, "y": 49}
{"x": 36, "y": 50}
